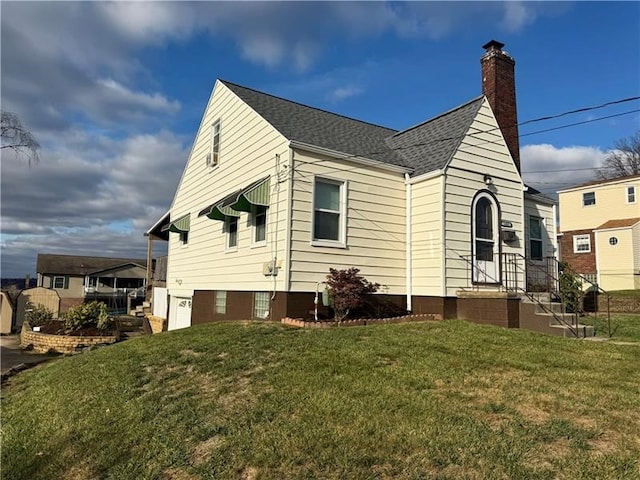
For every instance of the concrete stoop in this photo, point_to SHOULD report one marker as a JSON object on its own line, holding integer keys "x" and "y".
{"x": 538, "y": 318}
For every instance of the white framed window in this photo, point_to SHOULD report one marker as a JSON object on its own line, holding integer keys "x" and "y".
{"x": 588, "y": 198}
{"x": 261, "y": 304}
{"x": 329, "y": 212}
{"x": 59, "y": 282}
{"x": 231, "y": 225}
{"x": 581, "y": 243}
{"x": 221, "y": 302}
{"x": 184, "y": 238}
{"x": 631, "y": 194}
{"x": 259, "y": 225}
{"x": 535, "y": 237}
{"x": 214, "y": 155}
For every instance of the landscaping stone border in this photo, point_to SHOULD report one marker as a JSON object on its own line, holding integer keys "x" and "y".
{"x": 44, "y": 342}
{"x": 423, "y": 317}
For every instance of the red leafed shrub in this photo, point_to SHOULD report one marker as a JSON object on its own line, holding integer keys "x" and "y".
{"x": 347, "y": 290}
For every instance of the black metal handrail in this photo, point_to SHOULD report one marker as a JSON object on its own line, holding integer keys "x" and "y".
{"x": 514, "y": 266}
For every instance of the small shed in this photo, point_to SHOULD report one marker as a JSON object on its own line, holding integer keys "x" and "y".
{"x": 47, "y": 297}
{"x": 6, "y": 313}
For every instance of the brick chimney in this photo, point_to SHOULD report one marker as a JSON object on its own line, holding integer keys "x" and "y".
{"x": 499, "y": 86}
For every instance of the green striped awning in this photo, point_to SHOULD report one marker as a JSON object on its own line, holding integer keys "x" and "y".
{"x": 182, "y": 224}
{"x": 241, "y": 200}
{"x": 255, "y": 194}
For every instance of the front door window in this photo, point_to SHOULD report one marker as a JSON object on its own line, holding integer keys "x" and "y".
{"x": 485, "y": 240}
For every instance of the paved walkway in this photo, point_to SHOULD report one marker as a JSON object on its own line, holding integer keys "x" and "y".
{"x": 11, "y": 355}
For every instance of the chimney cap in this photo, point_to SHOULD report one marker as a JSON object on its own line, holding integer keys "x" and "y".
{"x": 493, "y": 45}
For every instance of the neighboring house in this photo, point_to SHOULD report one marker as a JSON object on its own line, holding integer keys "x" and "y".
{"x": 600, "y": 231}
{"x": 77, "y": 278}
{"x": 274, "y": 193}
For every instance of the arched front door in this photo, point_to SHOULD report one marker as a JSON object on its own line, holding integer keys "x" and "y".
{"x": 485, "y": 228}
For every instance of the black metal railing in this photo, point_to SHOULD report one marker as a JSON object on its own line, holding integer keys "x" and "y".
{"x": 545, "y": 282}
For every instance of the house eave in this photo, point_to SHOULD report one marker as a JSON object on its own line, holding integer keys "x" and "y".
{"x": 159, "y": 222}
{"x": 345, "y": 156}
{"x": 426, "y": 176}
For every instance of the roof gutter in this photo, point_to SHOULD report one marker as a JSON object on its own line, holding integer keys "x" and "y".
{"x": 346, "y": 156}
{"x": 424, "y": 176}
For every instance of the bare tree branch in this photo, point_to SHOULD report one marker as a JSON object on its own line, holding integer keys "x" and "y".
{"x": 623, "y": 160}
{"x": 17, "y": 138}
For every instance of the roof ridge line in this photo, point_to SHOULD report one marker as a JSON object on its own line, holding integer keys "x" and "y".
{"x": 307, "y": 106}
{"x": 475, "y": 99}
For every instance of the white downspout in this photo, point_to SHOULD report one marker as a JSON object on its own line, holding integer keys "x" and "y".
{"x": 443, "y": 233}
{"x": 554, "y": 233}
{"x": 408, "y": 242}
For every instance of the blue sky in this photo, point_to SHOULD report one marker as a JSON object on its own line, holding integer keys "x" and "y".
{"x": 114, "y": 92}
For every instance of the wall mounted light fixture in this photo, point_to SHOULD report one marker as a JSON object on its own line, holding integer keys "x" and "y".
{"x": 487, "y": 179}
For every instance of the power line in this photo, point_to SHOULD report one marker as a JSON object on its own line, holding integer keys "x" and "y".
{"x": 580, "y": 110}
{"x": 539, "y": 119}
{"x": 581, "y": 123}
{"x": 476, "y": 145}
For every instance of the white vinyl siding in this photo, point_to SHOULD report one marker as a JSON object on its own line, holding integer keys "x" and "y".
{"x": 248, "y": 151}
{"x": 479, "y": 154}
{"x": 375, "y": 229}
{"x": 426, "y": 237}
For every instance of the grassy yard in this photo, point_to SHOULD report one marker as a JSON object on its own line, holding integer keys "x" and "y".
{"x": 446, "y": 400}
{"x": 624, "y": 326}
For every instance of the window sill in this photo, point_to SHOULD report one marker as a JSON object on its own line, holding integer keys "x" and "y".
{"x": 231, "y": 250}
{"x": 328, "y": 243}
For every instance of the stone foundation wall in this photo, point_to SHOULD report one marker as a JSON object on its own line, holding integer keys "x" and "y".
{"x": 44, "y": 342}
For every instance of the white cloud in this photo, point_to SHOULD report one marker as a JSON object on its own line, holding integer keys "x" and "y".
{"x": 150, "y": 22}
{"x": 517, "y": 15}
{"x": 95, "y": 196}
{"x": 342, "y": 93}
{"x": 549, "y": 169}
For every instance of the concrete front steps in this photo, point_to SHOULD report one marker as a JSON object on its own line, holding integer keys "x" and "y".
{"x": 548, "y": 317}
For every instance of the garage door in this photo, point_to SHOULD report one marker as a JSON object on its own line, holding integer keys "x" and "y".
{"x": 180, "y": 313}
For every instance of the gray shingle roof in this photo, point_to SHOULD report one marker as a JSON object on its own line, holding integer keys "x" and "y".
{"x": 437, "y": 139}
{"x": 430, "y": 145}
{"x": 320, "y": 128}
{"x": 80, "y": 265}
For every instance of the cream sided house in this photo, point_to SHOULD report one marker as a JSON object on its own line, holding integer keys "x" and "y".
{"x": 600, "y": 231}
{"x": 274, "y": 193}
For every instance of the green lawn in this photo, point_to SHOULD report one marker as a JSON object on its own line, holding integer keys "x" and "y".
{"x": 624, "y": 326}
{"x": 445, "y": 400}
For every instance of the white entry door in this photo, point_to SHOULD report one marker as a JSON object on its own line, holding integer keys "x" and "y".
{"x": 180, "y": 313}
{"x": 486, "y": 240}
